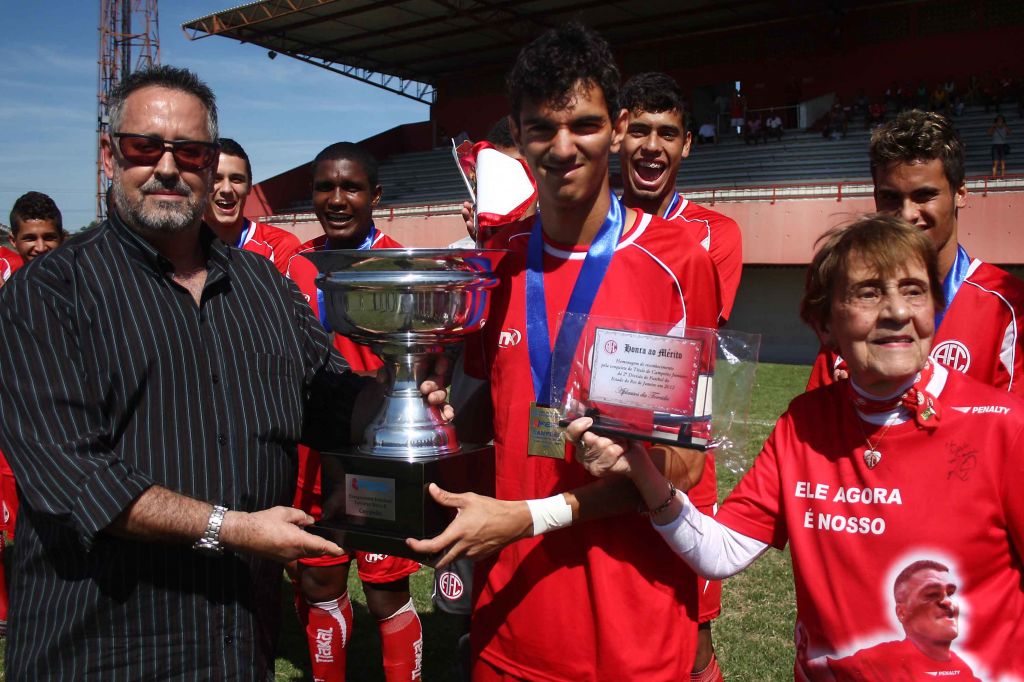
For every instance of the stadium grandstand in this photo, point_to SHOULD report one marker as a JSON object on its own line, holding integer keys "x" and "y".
{"x": 797, "y": 58}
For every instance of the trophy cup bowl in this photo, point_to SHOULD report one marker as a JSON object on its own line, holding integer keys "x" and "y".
{"x": 409, "y": 306}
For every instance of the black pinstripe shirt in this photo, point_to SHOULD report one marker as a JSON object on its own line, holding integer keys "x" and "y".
{"x": 116, "y": 380}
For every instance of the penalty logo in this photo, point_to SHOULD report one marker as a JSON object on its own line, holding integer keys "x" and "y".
{"x": 952, "y": 354}
{"x": 451, "y": 586}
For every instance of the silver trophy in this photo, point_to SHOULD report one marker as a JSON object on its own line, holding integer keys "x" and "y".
{"x": 409, "y": 306}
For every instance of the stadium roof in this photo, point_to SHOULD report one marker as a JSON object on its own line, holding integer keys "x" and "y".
{"x": 410, "y": 46}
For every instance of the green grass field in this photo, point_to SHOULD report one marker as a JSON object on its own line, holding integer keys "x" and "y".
{"x": 754, "y": 635}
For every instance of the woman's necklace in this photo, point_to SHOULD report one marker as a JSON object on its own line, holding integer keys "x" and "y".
{"x": 872, "y": 456}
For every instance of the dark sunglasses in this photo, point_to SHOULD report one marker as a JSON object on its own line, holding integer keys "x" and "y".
{"x": 146, "y": 150}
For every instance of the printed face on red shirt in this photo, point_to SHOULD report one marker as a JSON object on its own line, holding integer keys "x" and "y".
{"x": 652, "y": 146}
{"x": 567, "y": 148}
{"x": 919, "y": 193}
{"x": 35, "y": 237}
{"x": 343, "y": 201}
{"x": 231, "y": 185}
{"x": 882, "y": 326}
{"x": 928, "y": 613}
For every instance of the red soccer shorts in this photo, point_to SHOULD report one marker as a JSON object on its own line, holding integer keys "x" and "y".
{"x": 8, "y": 498}
{"x": 373, "y": 568}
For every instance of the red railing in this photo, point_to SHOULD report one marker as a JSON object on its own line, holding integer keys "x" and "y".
{"x": 838, "y": 189}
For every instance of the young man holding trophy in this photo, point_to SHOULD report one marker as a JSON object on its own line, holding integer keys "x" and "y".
{"x": 594, "y": 586}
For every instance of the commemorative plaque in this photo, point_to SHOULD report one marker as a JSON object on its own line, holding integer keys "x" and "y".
{"x": 640, "y": 380}
{"x": 410, "y": 306}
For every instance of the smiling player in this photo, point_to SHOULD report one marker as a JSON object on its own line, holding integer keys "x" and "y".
{"x": 232, "y": 183}
{"x": 345, "y": 192}
{"x": 578, "y": 588}
{"x": 655, "y": 143}
{"x": 917, "y": 163}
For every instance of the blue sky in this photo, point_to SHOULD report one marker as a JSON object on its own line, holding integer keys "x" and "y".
{"x": 282, "y": 111}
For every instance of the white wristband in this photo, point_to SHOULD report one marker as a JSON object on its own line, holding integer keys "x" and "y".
{"x": 550, "y": 513}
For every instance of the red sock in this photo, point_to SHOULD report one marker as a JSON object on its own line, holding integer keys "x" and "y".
{"x": 711, "y": 672}
{"x": 401, "y": 641}
{"x": 327, "y": 633}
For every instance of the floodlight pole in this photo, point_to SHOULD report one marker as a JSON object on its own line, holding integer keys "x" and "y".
{"x": 129, "y": 33}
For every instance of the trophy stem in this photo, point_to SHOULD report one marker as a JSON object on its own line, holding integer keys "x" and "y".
{"x": 406, "y": 427}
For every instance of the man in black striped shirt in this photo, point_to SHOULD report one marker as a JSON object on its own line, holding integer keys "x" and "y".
{"x": 163, "y": 381}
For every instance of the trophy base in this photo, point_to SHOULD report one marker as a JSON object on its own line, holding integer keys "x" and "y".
{"x": 373, "y": 504}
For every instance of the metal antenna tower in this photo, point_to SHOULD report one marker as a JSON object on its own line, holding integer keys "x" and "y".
{"x": 129, "y": 40}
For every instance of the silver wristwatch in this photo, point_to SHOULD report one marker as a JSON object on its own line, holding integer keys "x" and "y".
{"x": 209, "y": 542}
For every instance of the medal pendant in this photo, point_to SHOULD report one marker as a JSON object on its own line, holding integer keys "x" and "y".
{"x": 545, "y": 436}
{"x": 872, "y": 457}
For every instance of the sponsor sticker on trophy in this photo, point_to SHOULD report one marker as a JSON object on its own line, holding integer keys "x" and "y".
{"x": 640, "y": 380}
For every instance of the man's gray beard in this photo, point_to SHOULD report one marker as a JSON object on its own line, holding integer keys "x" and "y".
{"x": 168, "y": 217}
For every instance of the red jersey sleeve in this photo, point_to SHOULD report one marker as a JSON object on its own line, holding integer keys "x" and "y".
{"x": 727, "y": 254}
{"x": 754, "y": 508}
{"x": 285, "y": 246}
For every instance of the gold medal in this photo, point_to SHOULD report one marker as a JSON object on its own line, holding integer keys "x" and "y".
{"x": 545, "y": 436}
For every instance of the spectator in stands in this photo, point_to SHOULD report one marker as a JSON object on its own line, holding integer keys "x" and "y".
{"x": 754, "y": 130}
{"x": 893, "y": 96}
{"x": 36, "y": 225}
{"x": 232, "y": 182}
{"x": 921, "y": 98}
{"x": 1000, "y": 134}
{"x": 850, "y": 477}
{"x": 991, "y": 96}
{"x": 737, "y": 112}
{"x": 345, "y": 191}
{"x": 939, "y": 100}
{"x": 836, "y": 121}
{"x": 707, "y": 133}
{"x": 958, "y": 105}
{"x": 949, "y": 85}
{"x": 876, "y": 115}
{"x": 773, "y": 125}
{"x": 860, "y": 104}
{"x": 651, "y": 151}
{"x": 917, "y": 164}
{"x": 973, "y": 96}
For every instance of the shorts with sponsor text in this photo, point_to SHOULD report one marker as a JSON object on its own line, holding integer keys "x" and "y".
{"x": 373, "y": 568}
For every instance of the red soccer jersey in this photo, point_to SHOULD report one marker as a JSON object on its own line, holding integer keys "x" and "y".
{"x": 899, "y": 661}
{"x": 981, "y": 335}
{"x": 579, "y": 603}
{"x": 720, "y": 236}
{"x": 303, "y": 273}
{"x": 950, "y": 495}
{"x": 10, "y": 261}
{"x": 273, "y": 243}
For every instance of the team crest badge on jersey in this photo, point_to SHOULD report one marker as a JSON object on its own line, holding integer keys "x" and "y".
{"x": 952, "y": 354}
{"x": 451, "y": 585}
{"x": 509, "y": 337}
